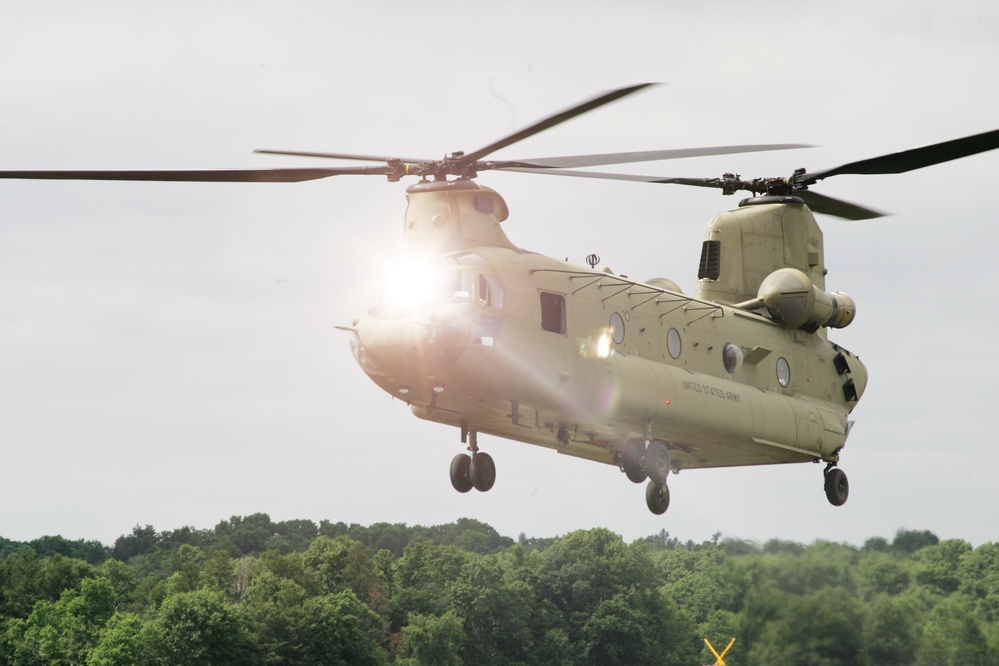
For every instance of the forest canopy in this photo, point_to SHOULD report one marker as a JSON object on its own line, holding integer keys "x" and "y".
{"x": 255, "y": 591}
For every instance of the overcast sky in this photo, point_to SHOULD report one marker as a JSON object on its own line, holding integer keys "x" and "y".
{"x": 168, "y": 353}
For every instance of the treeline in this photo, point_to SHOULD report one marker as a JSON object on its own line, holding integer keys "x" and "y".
{"x": 254, "y": 591}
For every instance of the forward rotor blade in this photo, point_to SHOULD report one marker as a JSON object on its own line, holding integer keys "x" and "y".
{"x": 552, "y": 121}
{"x": 907, "y": 160}
{"x": 640, "y": 156}
{"x": 293, "y": 175}
{"x": 819, "y": 203}
{"x": 342, "y": 156}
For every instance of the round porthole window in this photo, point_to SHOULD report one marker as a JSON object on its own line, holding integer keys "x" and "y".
{"x": 731, "y": 357}
{"x": 617, "y": 327}
{"x": 783, "y": 372}
{"x": 673, "y": 343}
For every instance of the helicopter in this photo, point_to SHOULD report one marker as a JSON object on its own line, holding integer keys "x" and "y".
{"x": 472, "y": 331}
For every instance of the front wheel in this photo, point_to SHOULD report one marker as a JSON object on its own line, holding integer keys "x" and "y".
{"x": 461, "y": 479}
{"x": 482, "y": 471}
{"x": 837, "y": 487}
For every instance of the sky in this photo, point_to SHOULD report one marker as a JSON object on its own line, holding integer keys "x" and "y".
{"x": 168, "y": 355}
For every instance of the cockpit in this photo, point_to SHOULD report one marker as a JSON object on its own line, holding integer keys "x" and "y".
{"x": 414, "y": 285}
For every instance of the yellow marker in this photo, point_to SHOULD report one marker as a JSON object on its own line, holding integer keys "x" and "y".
{"x": 720, "y": 661}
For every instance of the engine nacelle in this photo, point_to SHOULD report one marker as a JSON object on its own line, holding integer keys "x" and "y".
{"x": 792, "y": 299}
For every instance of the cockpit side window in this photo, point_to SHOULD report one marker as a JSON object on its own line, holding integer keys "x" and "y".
{"x": 490, "y": 291}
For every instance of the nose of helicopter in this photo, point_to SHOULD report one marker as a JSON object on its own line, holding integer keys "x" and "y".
{"x": 405, "y": 350}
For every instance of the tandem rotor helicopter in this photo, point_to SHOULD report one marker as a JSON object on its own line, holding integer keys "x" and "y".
{"x": 474, "y": 332}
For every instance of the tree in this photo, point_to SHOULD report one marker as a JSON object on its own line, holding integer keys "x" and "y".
{"x": 421, "y": 576}
{"x": 63, "y": 632}
{"x": 909, "y": 541}
{"x": 495, "y": 609}
{"x": 243, "y": 535}
{"x": 940, "y": 564}
{"x": 122, "y": 642}
{"x": 603, "y": 592}
{"x": 339, "y": 630}
{"x": 979, "y": 575}
{"x": 890, "y": 631}
{"x": 142, "y": 540}
{"x": 19, "y": 583}
{"x": 823, "y": 627}
{"x": 200, "y": 627}
{"x": 343, "y": 564}
{"x": 91, "y": 552}
{"x": 637, "y": 627}
{"x": 700, "y": 581}
{"x": 272, "y": 606}
{"x": 432, "y": 640}
{"x": 881, "y": 573}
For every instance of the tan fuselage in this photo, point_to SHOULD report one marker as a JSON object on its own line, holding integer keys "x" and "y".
{"x": 538, "y": 350}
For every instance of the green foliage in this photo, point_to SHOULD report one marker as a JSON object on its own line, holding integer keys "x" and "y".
{"x": 254, "y": 591}
{"x": 910, "y": 541}
{"x": 200, "y": 627}
{"x": 432, "y": 640}
{"x": 338, "y": 630}
{"x": 121, "y": 642}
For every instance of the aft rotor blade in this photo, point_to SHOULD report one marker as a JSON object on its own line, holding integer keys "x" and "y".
{"x": 640, "y": 156}
{"x": 819, "y": 203}
{"x": 552, "y": 121}
{"x": 907, "y": 160}
{"x": 292, "y": 175}
{"x": 696, "y": 182}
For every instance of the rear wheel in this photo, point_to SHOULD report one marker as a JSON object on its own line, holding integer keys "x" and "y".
{"x": 482, "y": 471}
{"x": 837, "y": 487}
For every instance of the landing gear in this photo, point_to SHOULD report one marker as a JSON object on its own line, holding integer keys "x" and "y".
{"x": 472, "y": 471}
{"x": 640, "y": 461}
{"x": 657, "y": 497}
{"x": 836, "y": 485}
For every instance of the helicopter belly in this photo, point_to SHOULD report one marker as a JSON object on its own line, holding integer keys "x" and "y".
{"x": 592, "y": 410}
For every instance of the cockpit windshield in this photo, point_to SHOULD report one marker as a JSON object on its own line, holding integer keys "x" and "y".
{"x": 462, "y": 277}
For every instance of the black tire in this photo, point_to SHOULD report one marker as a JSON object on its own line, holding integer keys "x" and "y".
{"x": 837, "y": 487}
{"x": 657, "y": 498}
{"x": 461, "y": 478}
{"x": 482, "y": 472}
{"x": 633, "y": 461}
{"x": 657, "y": 463}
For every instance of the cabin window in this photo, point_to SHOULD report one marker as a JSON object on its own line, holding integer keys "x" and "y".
{"x": 617, "y": 327}
{"x": 673, "y": 343}
{"x": 553, "y": 312}
{"x": 732, "y": 357}
{"x": 783, "y": 372}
